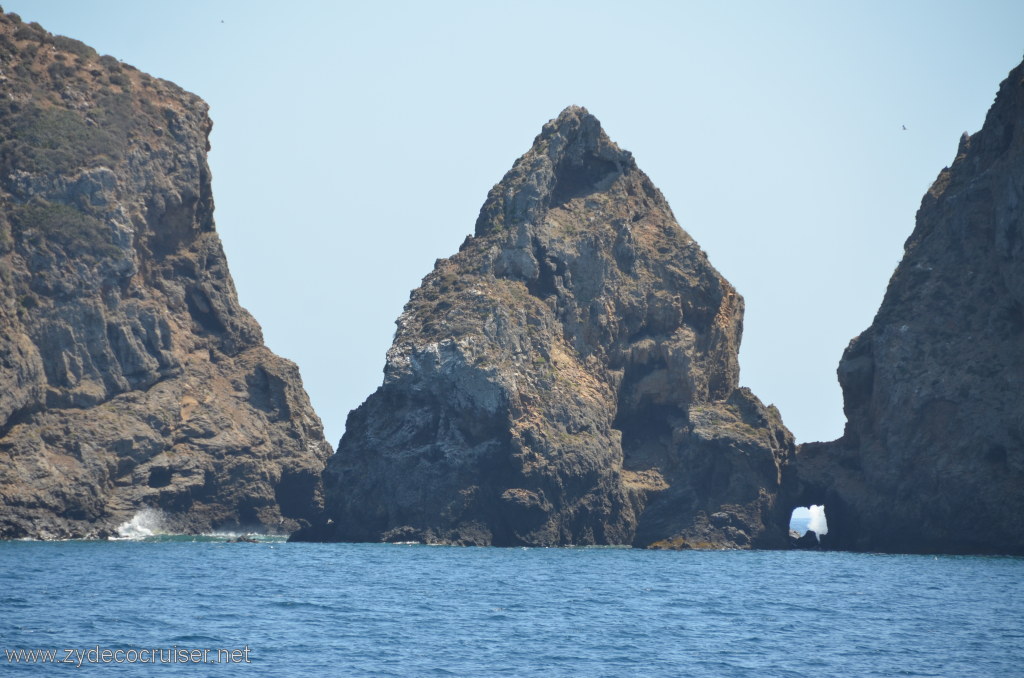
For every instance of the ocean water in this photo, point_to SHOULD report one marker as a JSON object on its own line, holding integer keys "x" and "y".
{"x": 409, "y": 610}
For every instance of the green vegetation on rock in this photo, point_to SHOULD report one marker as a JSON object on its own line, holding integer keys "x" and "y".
{"x": 54, "y": 140}
{"x": 62, "y": 225}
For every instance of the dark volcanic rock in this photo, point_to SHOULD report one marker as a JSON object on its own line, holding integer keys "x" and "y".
{"x": 932, "y": 459}
{"x": 129, "y": 375}
{"x": 569, "y": 377}
{"x": 809, "y": 541}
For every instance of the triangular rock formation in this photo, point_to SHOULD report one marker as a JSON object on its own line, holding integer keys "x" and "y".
{"x": 569, "y": 377}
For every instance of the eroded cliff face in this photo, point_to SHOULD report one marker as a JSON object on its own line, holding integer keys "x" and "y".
{"x": 569, "y": 377}
{"x": 932, "y": 459}
{"x": 130, "y": 377}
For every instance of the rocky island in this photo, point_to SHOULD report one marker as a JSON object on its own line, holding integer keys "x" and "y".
{"x": 569, "y": 376}
{"x": 130, "y": 377}
{"x": 932, "y": 459}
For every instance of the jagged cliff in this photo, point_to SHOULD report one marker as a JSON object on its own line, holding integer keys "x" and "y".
{"x": 932, "y": 459}
{"x": 568, "y": 377}
{"x": 129, "y": 374}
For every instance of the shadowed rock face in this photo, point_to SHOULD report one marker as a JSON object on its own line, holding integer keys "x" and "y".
{"x": 932, "y": 459}
{"x": 569, "y": 377}
{"x": 130, "y": 376}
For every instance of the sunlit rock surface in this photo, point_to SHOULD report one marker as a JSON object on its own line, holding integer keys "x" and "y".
{"x": 130, "y": 377}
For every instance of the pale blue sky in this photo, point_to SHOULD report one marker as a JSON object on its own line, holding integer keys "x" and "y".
{"x": 354, "y": 143}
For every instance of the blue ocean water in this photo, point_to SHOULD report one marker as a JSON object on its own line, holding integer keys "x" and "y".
{"x": 404, "y": 610}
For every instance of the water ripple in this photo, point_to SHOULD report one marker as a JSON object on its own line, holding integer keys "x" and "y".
{"x": 386, "y": 610}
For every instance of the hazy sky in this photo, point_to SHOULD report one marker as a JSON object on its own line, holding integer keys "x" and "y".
{"x": 354, "y": 143}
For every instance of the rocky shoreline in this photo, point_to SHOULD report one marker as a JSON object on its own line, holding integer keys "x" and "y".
{"x": 570, "y": 376}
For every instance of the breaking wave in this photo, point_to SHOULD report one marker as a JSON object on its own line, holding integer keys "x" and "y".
{"x": 152, "y": 525}
{"x": 144, "y": 524}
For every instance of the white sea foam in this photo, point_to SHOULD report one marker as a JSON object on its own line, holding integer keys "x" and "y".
{"x": 154, "y": 524}
{"x": 818, "y": 524}
{"x": 146, "y": 523}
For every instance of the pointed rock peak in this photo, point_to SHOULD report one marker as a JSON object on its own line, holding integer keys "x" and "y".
{"x": 569, "y": 113}
{"x": 571, "y": 157}
{"x": 570, "y": 118}
{"x": 575, "y": 128}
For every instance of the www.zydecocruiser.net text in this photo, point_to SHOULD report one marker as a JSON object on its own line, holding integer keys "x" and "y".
{"x": 148, "y": 655}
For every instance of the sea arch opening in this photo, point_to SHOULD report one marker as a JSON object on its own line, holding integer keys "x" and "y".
{"x": 806, "y": 519}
